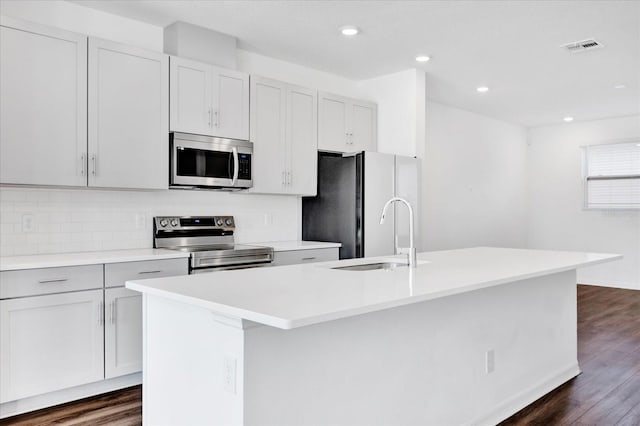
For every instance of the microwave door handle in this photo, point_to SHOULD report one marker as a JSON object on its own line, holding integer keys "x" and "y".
{"x": 235, "y": 166}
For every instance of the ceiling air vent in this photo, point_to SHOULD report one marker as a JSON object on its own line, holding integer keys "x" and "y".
{"x": 582, "y": 46}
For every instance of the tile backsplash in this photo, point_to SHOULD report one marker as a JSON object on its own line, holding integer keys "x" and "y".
{"x": 42, "y": 220}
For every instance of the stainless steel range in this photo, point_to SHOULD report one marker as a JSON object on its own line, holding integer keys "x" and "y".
{"x": 210, "y": 241}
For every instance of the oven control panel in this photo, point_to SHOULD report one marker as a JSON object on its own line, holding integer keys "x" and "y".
{"x": 168, "y": 223}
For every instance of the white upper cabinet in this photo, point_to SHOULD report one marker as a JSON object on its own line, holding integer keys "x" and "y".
{"x": 284, "y": 133}
{"x": 128, "y": 116}
{"x": 268, "y": 115}
{"x": 346, "y": 125}
{"x": 302, "y": 140}
{"x": 230, "y": 104}
{"x": 43, "y": 105}
{"x": 208, "y": 100}
{"x": 190, "y": 96}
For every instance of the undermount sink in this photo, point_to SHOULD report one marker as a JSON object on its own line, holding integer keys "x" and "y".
{"x": 370, "y": 266}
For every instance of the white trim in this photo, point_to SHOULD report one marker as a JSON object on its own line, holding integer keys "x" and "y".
{"x": 526, "y": 397}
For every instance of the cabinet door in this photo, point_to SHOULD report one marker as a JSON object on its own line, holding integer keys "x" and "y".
{"x": 50, "y": 342}
{"x": 268, "y": 118}
{"x": 128, "y": 114}
{"x": 302, "y": 140}
{"x": 231, "y": 104}
{"x": 332, "y": 123}
{"x": 123, "y": 332}
{"x": 190, "y": 88}
{"x": 43, "y": 105}
{"x": 363, "y": 126}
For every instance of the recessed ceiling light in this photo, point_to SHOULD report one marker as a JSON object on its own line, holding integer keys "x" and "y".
{"x": 349, "y": 30}
{"x": 568, "y": 119}
{"x": 422, "y": 58}
{"x": 482, "y": 89}
{"x": 619, "y": 86}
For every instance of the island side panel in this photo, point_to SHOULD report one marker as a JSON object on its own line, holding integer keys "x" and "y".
{"x": 423, "y": 363}
{"x": 187, "y": 355}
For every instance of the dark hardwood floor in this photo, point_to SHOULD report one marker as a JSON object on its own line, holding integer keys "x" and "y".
{"x": 607, "y": 393}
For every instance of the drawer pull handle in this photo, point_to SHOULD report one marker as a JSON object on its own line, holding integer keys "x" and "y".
{"x": 148, "y": 272}
{"x": 308, "y": 258}
{"x": 55, "y": 280}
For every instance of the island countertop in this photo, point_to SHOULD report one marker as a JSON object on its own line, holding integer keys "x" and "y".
{"x": 298, "y": 295}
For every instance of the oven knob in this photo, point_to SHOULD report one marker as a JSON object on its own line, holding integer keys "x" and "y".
{"x": 163, "y": 222}
{"x": 219, "y": 222}
{"x": 228, "y": 222}
{"x": 174, "y": 222}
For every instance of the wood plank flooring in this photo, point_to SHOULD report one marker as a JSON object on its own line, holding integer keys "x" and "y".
{"x": 607, "y": 393}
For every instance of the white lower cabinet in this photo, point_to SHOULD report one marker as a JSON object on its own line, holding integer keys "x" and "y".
{"x": 123, "y": 312}
{"x": 122, "y": 332}
{"x": 50, "y": 342}
{"x": 71, "y": 326}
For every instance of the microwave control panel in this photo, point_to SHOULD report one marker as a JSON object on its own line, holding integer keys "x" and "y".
{"x": 244, "y": 166}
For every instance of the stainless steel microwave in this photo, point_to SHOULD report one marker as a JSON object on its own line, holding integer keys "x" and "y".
{"x": 198, "y": 161}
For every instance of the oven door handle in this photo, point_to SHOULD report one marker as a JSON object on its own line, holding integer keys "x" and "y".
{"x": 234, "y": 150}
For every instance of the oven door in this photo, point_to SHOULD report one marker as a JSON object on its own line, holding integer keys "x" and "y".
{"x": 202, "y": 161}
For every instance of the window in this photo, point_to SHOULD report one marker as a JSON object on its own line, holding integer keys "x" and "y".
{"x": 612, "y": 175}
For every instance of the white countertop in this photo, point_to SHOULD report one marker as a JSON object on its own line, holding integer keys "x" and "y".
{"x": 35, "y": 261}
{"x": 294, "y": 296}
{"x": 297, "y": 245}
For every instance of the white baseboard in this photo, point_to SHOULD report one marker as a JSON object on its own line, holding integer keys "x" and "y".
{"x": 38, "y": 402}
{"x": 520, "y": 400}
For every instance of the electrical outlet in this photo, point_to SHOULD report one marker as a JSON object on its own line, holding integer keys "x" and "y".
{"x": 490, "y": 361}
{"x": 27, "y": 223}
{"x": 229, "y": 375}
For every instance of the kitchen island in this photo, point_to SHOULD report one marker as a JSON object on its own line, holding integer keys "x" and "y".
{"x": 470, "y": 336}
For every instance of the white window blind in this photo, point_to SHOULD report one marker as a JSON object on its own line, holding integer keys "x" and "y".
{"x": 613, "y": 175}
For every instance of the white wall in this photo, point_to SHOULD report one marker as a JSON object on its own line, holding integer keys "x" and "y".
{"x": 401, "y": 116}
{"x": 556, "y": 217}
{"x": 473, "y": 180}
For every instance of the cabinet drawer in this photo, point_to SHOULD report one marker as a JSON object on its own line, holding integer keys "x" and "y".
{"x": 32, "y": 282}
{"x": 304, "y": 256}
{"x": 115, "y": 274}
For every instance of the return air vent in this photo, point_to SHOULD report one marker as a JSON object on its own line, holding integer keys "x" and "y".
{"x": 582, "y": 46}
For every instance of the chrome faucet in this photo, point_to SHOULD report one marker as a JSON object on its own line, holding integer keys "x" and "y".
{"x": 412, "y": 248}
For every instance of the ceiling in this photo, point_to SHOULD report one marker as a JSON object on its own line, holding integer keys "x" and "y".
{"x": 513, "y": 47}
